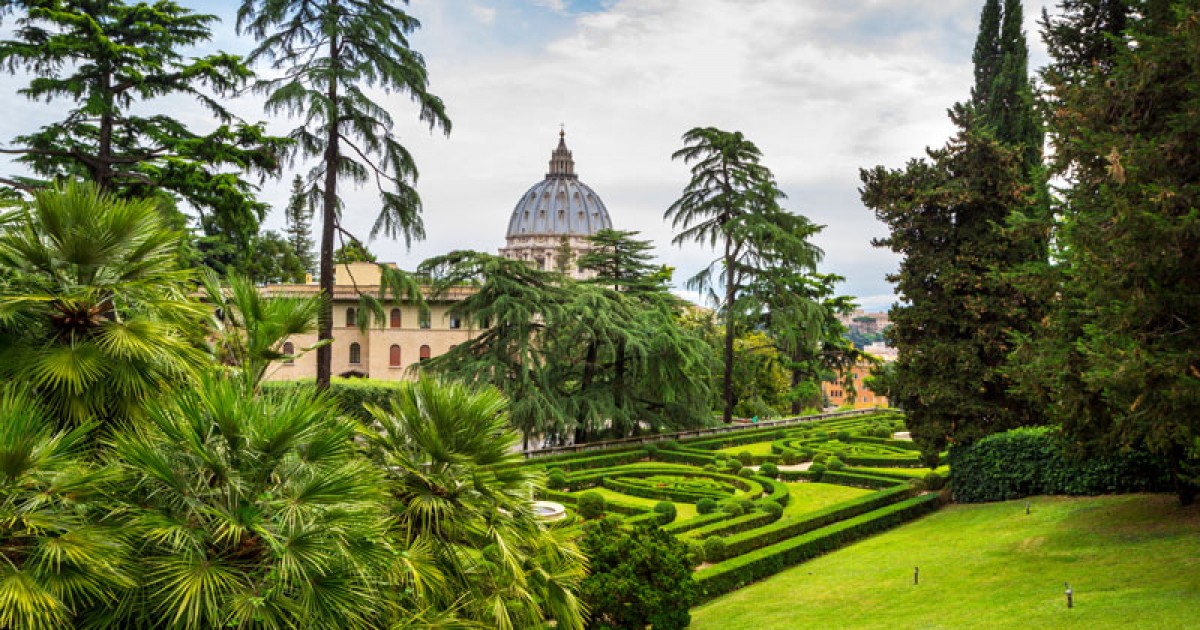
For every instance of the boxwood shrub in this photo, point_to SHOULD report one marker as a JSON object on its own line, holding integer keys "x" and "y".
{"x": 665, "y": 511}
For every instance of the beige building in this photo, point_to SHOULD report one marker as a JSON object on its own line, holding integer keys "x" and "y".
{"x": 386, "y": 351}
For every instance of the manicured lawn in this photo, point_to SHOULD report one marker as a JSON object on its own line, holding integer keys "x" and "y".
{"x": 683, "y": 511}
{"x": 756, "y": 448}
{"x": 911, "y": 472}
{"x": 1133, "y": 561}
{"x": 806, "y": 498}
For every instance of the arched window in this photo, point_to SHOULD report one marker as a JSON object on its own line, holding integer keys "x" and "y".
{"x": 425, "y": 321}
{"x": 394, "y": 356}
{"x": 351, "y": 318}
{"x": 395, "y": 323}
{"x": 455, "y": 323}
{"x": 424, "y": 353}
{"x": 289, "y": 349}
{"x": 355, "y": 354}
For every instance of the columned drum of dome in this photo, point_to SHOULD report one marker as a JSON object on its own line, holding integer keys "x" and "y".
{"x": 558, "y": 207}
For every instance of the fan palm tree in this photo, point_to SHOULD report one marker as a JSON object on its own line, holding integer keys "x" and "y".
{"x": 96, "y": 314}
{"x": 254, "y": 511}
{"x": 447, "y": 449}
{"x": 250, "y": 328}
{"x": 57, "y": 557}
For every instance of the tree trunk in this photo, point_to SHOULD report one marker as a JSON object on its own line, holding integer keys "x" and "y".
{"x": 589, "y": 373}
{"x": 328, "y": 225}
{"x": 102, "y": 171}
{"x": 729, "y": 294}
{"x": 797, "y": 375}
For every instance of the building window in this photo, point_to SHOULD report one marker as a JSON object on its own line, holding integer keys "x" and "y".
{"x": 394, "y": 356}
{"x": 425, "y": 322}
{"x": 351, "y": 318}
{"x": 425, "y": 352}
{"x": 289, "y": 349}
{"x": 395, "y": 323}
{"x": 355, "y": 354}
{"x": 455, "y": 323}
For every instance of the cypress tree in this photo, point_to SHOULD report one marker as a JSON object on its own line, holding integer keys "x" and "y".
{"x": 1117, "y": 363}
{"x": 299, "y": 224}
{"x": 962, "y": 265}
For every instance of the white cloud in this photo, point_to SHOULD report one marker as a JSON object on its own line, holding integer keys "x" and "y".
{"x": 483, "y": 15}
{"x": 823, "y": 88}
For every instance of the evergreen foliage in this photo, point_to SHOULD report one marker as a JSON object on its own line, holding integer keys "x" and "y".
{"x": 637, "y": 578}
{"x": 962, "y": 221}
{"x": 1037, "y": 460}
{"x": 298, "y": 216}
{"x": 111, "y": 59}
{"x": 1115, "y": 362}
{"x": 732, "y": 201}
{"x": 329, "y": 54}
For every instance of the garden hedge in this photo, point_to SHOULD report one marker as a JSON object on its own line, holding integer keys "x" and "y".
{"x": 732, "y": 574}
{"x": 1033, "y": 460}
{"x": 745, "y": 542}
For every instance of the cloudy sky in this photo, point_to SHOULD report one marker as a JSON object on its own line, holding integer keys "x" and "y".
{"x": 824, "y": 87}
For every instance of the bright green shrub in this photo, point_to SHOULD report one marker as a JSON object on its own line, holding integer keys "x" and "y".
{"x": 714, "y": 548}
{"x": 732, "y": 508}
{"x": 843, "y": 436}
{"x": 556, "y": 479}
{"x": 772, "y": 507}
{"x": 817, "y": 471}
{"x": 591, "y": 505}
{"x": 746, "y": 458}
{"x": 650, "y": 450}
{"x": 834, "y": 463}
{"x": 745, "y": 473}
{"x": 769, "y": 469}
{"x": 820, "y": 459}
{"x": 665, "y": 511}
{"x": 706, "y": 506}
{"x": 734, "y": 466}
{"x": 710, "y": 468}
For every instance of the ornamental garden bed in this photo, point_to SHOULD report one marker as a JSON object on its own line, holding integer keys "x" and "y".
{"x": 748, "y": 523}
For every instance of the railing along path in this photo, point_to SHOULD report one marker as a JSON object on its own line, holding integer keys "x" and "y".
{"x": 661, "y": 437}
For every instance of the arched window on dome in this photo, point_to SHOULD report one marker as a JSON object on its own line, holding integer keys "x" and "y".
{"x": 394, "y": 356}
{"x": 395, "y": 318}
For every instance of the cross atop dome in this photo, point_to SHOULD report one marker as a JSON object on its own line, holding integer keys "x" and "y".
{"x": 561, "y": 162}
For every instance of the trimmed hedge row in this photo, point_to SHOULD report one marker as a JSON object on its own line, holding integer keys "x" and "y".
{"x": 1033, "y": 460}
{"x": 737, "y": 572}
{"x": 572, "y": 499}
{"x": 661, "y": 494}
{"x": 697, "y": 522}
{"x": 746, "y": 542}
{"x": 736, "y": 525}
{"x": 859, "y": 480}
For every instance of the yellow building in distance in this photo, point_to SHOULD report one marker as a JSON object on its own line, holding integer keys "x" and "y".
{"x": 386, "y": 351}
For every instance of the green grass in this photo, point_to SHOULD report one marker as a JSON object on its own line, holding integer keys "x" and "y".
{"x": 683, "y": 511}
{"x": 1133, "y": 561}
{"x": 806, "y": 498}
{"x": 909, "y": 472}
{"x": 754, "y": 448}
